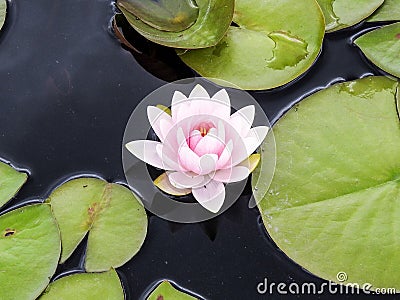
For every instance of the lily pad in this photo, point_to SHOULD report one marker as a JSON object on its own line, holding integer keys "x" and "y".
{"x": 211, "y": 24}
{"x": 333, "y": 204}
{"x": 165, "y": 291}
{"x": 275, "y": 42}
{"x": 30, "y": 248}
{"x": 11, "y": 181}
{"x": 86, "y": 286}
{"x": 389, "y": 11}
{"x": 112, "y": 215}
{"x": 382, "y": 48}
{"x": 163, "y": 15}
{"x": 3, "y": 12}
{"x": 340, "y": 14}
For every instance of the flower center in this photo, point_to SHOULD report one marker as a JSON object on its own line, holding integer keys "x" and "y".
{"x": 203, "y": 131}
{"x": 204, "y": 128}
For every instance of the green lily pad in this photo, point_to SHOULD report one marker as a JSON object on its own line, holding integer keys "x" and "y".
{"x": 333, "y": 204}
{"x": 213, "y": 20}
{"x": 10, "y": 182}
{"x": 275, "y": 42}
{"x": 341, "y": 14}
{"x": 382, "y": 48}
{"x": 163, "y": 15}
{"x": 165, "y": 291}
{"x": 112, "y": 215}
{"x": 86, "y": 286}
{"x": 30, "y": 248}
{"x": 389, "y": 11}
{"x": 3, "y": 12}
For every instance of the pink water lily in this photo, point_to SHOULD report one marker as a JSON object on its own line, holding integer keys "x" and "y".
{"x": 202, "y": 146}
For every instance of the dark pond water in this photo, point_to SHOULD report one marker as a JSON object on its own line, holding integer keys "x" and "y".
{"x": 67, "y": 89}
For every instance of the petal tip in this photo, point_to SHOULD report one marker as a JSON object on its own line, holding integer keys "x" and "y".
{"x": 199, "y": 92}
{"x": 222, "y": 96}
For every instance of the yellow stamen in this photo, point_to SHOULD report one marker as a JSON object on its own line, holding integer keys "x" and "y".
{"x": 203, "y": 131}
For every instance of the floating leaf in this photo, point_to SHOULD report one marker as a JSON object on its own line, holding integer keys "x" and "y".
{"x": 275, "y": 42}
{"x": 163, "y": 15}
{"x": 86, "y": 286}
{"x": 165, "y": 291}
{"x": 30, "y": 249}
{"x": 10, "y": 182}
{"x": 112, "y": 215}
{"x": 389, "y": 11}
{"x": 382, "y": 47}
{"x": 212, "y": 22}
{"x": 3, "y": 12}
{"x": 333, "y": 204}
{"x": 341, "y": 14}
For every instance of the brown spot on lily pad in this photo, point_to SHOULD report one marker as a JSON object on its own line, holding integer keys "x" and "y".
{"x": 160, "y": 297}
{"x": 398, "y": 36}
{"x": 9, "y": 232}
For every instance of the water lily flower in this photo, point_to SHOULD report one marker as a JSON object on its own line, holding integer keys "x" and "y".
{"x": 202, "y": 146}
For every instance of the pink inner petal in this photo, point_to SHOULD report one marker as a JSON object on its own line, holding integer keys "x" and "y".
{"x": 189, "y": 160}
{"x": 209, "y": 144}
{"x": 194, "y": 138}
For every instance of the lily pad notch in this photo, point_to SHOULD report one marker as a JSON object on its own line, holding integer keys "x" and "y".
{"x": 108, "y": 213}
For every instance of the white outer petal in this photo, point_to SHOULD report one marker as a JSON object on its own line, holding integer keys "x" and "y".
{"x": 223, "y": 98}
{"x": 178, "y": 102}
{"x": 168, "y": 162}
{"x": 187, "y": 180}
{"x": 208, "y": 163}
{"x": 254, "y": 139}
{"x": 225, "y": 159}
{"x": 221, "y": 131}
{"x": 160, "y": 121}
{"x": 242, "y": 120}
{"x": 198, "y": 92}
{"x": 234, "y": 174}
{"x": 244, "y": 147}
{"x": 211, "y": 196}
{"x": 147, "y": 152}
